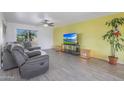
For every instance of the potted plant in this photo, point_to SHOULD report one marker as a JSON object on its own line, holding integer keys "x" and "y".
{"x": 114, "y": 38}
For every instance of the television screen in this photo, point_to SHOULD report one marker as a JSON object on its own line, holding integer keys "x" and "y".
{"x": 70, "y": 38}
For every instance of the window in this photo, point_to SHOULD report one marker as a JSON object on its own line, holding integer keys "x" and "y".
{"x": 26, "y": 35}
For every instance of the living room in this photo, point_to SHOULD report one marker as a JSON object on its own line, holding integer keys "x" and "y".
{"x": 61, "y": 46}
{"x": 72, "y": 59}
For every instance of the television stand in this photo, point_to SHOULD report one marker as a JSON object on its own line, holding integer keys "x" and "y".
{"x": 72, "y": 49}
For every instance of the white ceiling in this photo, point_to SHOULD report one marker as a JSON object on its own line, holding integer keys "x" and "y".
{"x": 60, "y": 18}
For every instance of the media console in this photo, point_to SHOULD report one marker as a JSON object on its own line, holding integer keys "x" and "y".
{"x": 72, "y": 49}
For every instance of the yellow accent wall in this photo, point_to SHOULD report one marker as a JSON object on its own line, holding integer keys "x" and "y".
{"x": 90, "y": 35}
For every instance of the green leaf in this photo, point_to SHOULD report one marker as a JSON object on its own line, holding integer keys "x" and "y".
{"x": 122, "y": 39}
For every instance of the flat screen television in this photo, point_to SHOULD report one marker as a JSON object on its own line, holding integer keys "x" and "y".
{"x": 70, "y": 38}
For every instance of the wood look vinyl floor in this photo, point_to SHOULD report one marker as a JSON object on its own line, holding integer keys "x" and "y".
{"x": 66, "y": 67}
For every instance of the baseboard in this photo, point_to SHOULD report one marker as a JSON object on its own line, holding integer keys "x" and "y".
{"x": 121, "y": 62}
{"x": 100, "y": 59}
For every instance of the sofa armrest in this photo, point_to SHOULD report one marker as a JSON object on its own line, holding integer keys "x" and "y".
{"x": 33, "y": 53}
{"x": 33, "y": 48}
{"x": 36, "y": 59}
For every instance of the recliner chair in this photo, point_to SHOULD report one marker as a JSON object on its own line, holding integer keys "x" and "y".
{"x": 8, "y": 61}
{"x": 30, "y": 67}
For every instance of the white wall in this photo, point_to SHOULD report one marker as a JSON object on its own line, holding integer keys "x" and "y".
{"x": 45, "y": 35}
{"x": 1, "y": 29}
{"x": 2, "y": 20}
{"x": 1, "y": 40}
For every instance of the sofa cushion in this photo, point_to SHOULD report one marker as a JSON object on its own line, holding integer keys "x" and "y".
{"x": 19, "y": 55}
{"x": 17, "y": 46}
{"x": 19, "y": 58}
{"x": 8, "y": 47}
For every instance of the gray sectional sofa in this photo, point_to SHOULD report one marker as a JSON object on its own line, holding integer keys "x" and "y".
{"x": 30, "y": 63}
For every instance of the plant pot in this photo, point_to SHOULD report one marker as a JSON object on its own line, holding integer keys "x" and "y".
{"x": 113, "y": 60}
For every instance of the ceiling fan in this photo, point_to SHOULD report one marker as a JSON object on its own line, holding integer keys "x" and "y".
{"x": 47, "y": 21}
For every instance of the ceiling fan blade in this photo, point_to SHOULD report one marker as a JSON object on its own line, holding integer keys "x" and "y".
{"x": 51, "y": 24}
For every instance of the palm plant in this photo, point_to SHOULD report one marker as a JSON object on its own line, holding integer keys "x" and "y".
{"x": 113, "y": 36}
{"x": 32, "y": 35}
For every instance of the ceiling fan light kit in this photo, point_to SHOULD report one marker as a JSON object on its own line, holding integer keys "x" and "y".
{"x": 45, "y": 25}
{"x": 47, "y": 21}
